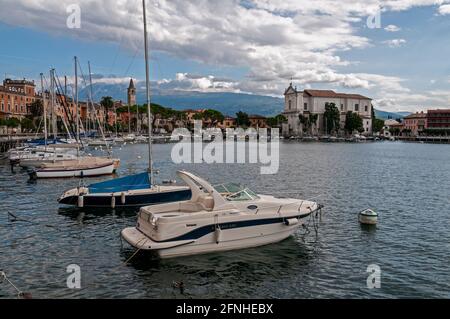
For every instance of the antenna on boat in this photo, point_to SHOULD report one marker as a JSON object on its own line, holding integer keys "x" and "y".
{"x": 45, "y": 110}
{"x": 147, "y": 84}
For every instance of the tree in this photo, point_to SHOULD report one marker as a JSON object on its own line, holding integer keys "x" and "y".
{"x": 36, "y": 108}
{"x": 108, "y": 103}
{"x": 242, "y": 119}
{"x": 313, "y": 121}
{"x": 331, "y": 117}
{"x": 276, "y": 121}
{"x": 304, "y": 120}
{"x": 27, "y": 124}
{"x": 210, "y": 117}
{"x": 377, "y": 125}
{"x": 353, "y": 122}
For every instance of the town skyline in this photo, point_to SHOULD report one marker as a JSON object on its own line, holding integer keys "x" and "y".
{"x": 253, "y": 47}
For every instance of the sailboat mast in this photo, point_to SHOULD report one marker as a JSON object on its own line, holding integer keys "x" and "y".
{"x": 45, "y": 110}
{"x": 90, "y": 88}
{"x": 53, "y": 106}
{"x": 76, "y": 103}
{"x": 147, "y": 81}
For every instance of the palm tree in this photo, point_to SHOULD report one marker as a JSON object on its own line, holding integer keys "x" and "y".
{"x": 108, "y": 103}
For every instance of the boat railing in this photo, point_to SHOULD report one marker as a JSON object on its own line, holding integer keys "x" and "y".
{"x": 280, "y": 207}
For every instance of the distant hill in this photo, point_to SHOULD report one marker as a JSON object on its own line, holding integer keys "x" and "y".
{"x": 384, "y": 115}
{"x": 227, "y": 103}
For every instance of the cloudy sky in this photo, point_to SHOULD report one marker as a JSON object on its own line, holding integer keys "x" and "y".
{"x": 255, "y": 46}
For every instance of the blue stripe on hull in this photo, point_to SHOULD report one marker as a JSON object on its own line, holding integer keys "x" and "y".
{"x": 130, "y": 200}
{"x": 205, "y": 230}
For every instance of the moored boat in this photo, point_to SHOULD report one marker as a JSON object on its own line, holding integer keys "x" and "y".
{"x": 129, "y": 191}
{"x": 81, "y": 167}
{"x": 220, "y": 218}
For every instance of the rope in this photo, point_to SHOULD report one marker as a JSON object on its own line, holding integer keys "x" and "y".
{"x": 20, "y": 293}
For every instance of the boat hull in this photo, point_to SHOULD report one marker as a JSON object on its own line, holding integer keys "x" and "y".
{"x": 233, "y": 236}
{"x": 134, "y": 200}
{"x": 67, "y": 173}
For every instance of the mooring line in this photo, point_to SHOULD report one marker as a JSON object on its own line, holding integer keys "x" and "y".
{"x": 20, "y": 293}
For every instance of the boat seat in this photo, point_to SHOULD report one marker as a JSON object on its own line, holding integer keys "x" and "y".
{"x": 207, "y": 202}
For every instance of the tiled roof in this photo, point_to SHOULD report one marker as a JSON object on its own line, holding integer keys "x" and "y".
{"x": 332, "y": 94}
{"x": 256, "y": 116}
{"x": 416, "y": 115}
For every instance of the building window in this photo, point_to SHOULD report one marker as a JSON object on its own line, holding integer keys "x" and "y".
{"x": 366, "y": 108}
{"x": 305, "y": 106}
{"x": 290, "y": 104}
{"x": 356, "y": 107}
{"x": 3, "y": 106}
{"x": 342, "y": 107}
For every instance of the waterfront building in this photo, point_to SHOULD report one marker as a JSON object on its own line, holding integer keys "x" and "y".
{"x": 257, "y": 121}
{"x": 309, "y": 102}
{"x": 415, "y": 124}
{"x": 438, "y": 120}
{"x": 389, "y": 125}
{"x": 16, "y": 97}
{"x": 228, "y": 122}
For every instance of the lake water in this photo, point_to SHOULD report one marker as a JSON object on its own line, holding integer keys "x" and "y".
{"x": 408, "y": 184}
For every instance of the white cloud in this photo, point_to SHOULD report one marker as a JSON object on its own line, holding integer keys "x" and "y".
{"x": 395, "y": 43}
{"x": 273, "y": 39}
{"x": 444, "y": 9}
{"x": 392, "y": 28}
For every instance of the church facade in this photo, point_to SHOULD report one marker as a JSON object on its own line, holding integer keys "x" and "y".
{"x": 312, "y": 102}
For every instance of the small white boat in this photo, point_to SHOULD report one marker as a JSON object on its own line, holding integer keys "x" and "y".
{"x": 368, "y": 217}
{"x": 130, "y": 138}
{"x": 220, "y": 218}
{"x": 81, "y": 167}
{"x": 99, "y": 142}
{"x": 141, "y": 139}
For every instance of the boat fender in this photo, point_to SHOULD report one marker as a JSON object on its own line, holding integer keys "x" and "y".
{"x": 291, "y": 221}
{"x": 122, "y": 198}
{"x": 218, "y": 234}
{"x": 113, "y": 201}
{"x": 81, "y": 201}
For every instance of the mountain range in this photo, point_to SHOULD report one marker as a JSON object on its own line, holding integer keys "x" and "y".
{"x": 227, "y": 103}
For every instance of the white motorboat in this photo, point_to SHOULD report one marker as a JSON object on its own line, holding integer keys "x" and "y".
{"x": 80, "y": 167}
{"x": 220, "y": 218}
{"x": 35, "y": 156}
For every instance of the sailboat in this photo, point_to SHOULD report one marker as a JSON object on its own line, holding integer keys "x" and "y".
{"x": 130, "y": 191}
{"x": 81, "y": 166}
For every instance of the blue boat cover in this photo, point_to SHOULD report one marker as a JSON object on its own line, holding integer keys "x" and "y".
{"x": 133, "y": 182}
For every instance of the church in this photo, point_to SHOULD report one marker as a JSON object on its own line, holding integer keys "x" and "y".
{"x": 312, "y": 102}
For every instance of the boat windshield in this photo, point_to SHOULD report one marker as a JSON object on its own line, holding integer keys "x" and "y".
{"x": 230, "y": 188}
{"x": 243, "y": 195}
{"x": 235, "y": 192}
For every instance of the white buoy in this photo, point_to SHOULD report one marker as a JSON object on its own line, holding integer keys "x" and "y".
{"x": 81, "y": 201}
{"x": 291, "y": 221}
{"x": 113, "y": 202}
{"x": 218, "y": 234}
{"x": 368, "y": 217}
{"x": 122, "y": 198}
